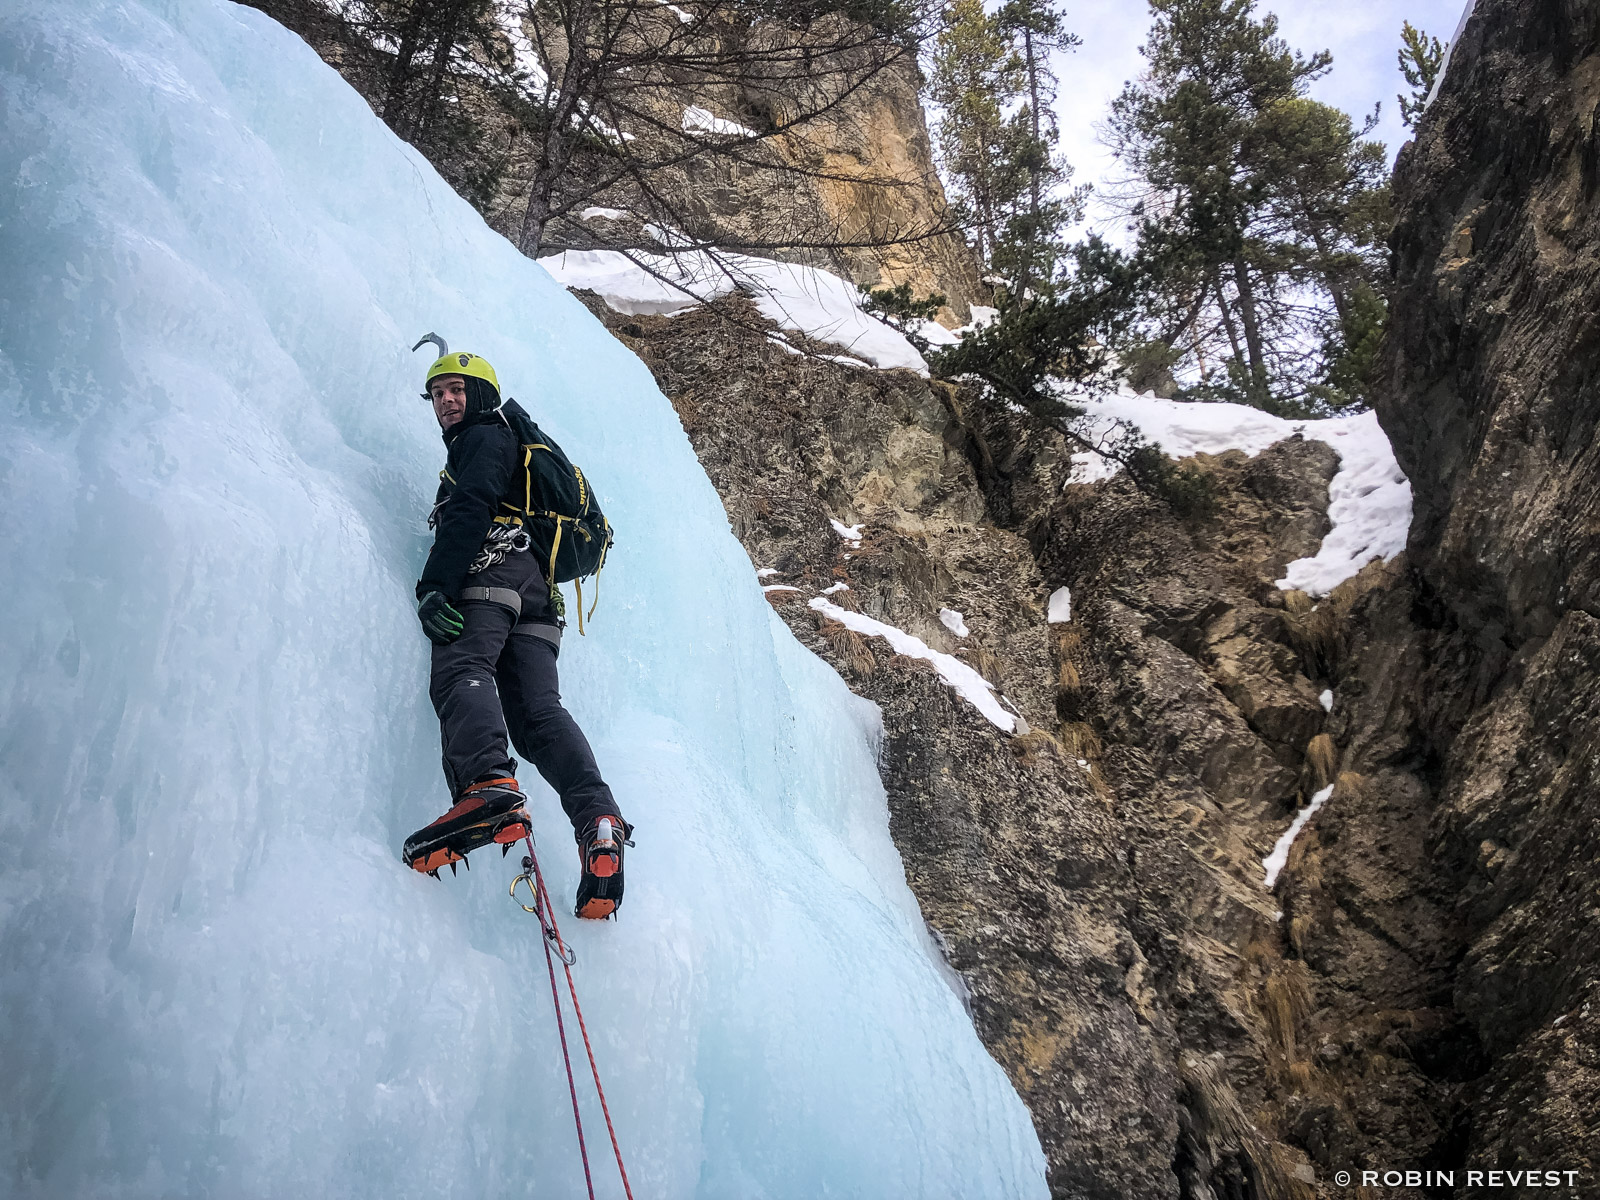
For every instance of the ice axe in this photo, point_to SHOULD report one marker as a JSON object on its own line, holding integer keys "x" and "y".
{"x": 437, "y": 341}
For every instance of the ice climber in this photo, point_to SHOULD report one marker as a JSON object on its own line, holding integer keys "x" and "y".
{"x": 487, "y": 601}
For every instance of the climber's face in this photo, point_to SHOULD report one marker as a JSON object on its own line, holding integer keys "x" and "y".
{"x": 449, "y": 394}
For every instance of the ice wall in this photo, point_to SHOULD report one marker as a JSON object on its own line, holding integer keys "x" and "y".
{"x": 215, "y": 976}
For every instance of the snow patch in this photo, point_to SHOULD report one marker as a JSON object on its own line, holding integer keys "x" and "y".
{"x": 850, "y": 533}
{"x": 804, "y": 299}
{"x": 952, "y": 670}
{"x": 768, "y": 572}
{"x": 1327, "y": 699}
{"x": 953, "y": 621}
{"x": 1369, "y": 499}
{"x": 701, "y": 120}
{"x": 1275, "y": 861}
{"x": 1060, "y": 610}
{"x": 595, "y": 210}
{"x": 1449, "y": 53}
{"x": 834, "y": 589}
{"x": 779, "y": 587}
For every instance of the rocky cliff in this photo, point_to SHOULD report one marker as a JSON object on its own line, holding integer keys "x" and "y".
{"x": 1095, "y": 875}
{"x": 859, "y": 194}
{"x": 1491, "y": 397}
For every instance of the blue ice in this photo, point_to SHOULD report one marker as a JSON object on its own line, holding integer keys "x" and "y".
{"x": 216, "y": 979}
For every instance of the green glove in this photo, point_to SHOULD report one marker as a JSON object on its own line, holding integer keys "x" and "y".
{"x": 441, "y": 620}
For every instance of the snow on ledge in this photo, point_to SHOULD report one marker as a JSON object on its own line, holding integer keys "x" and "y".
{"x": 952, "y": 670}
{"x": 1060, "y": 610}
{"x": 850, "y": 533}
{"x": 1369, "y": 498}
{"x": 702, "y": 120}
{"x": 954, "y": 621}
{"x": 1279, "y": 857}
{"x": 804, "y": 299}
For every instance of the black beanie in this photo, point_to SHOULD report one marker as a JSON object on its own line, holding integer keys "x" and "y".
{"x": 482, "y": 396}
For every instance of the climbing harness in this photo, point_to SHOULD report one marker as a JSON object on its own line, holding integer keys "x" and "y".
{"x": 545, "y": 911}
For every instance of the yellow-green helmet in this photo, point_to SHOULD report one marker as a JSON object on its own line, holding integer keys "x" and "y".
{"x": 471, "y": 366}
{"x": 483, "y": 388}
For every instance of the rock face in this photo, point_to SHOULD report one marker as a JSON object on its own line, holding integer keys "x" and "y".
{"x": 1491, "y": 401}
{"x": 859, "y": 175}
{"x": 1097, "y": 879}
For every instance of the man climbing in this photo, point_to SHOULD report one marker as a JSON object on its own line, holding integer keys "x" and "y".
{"x": 494, "y": 616}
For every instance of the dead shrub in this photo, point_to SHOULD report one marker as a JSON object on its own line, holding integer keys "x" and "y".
{"x": 1322, "y": 762}
{"x": 849, "y": 647}
{"x": 1034, "y": 746}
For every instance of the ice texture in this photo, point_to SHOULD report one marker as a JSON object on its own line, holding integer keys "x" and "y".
{"x": 217, "y": 978}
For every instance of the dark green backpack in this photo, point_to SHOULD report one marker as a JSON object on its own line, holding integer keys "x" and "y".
{"x": 557, "y": 508}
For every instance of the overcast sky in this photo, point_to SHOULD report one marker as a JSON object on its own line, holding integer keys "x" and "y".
{"x": 1363, "y": 36}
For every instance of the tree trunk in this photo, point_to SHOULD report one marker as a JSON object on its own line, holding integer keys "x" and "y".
{"x": 1335, "y": 286}
{"x": 1252, "y": 329}
{"x": 400, "y": 73}
{"x": 1035, "y": 199}
{"x": 449, "y": 28}
{"x": 1227, "y": 317}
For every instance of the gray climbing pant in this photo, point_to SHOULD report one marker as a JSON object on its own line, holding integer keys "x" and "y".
{"x": 499, "y": 676}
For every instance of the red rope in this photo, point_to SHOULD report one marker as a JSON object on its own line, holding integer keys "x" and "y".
{"x": 547, "y": 919}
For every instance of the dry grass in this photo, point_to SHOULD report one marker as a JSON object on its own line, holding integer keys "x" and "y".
{"x": 1069, "y": 649}
{"x": 849, "y": 647}
{"x": 1035, "y": 746}
{"x": 1298, "y": 602}
{"x": 1322, "y": 761}
{"x": 982, "y": 660}
{"x": 1285, "y": 1003}
{"x": 1080, "y": 741}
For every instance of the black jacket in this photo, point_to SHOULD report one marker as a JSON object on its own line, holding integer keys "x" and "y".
{"x": 480, "y": 466}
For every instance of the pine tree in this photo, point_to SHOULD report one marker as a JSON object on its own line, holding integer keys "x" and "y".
{"x": 977, "y": 75}
{"x": 993, "y": 83}
{"x": 1030, "y": 247}
{"x": 1420, "y": 58}
{"x": 1260, "y": 212}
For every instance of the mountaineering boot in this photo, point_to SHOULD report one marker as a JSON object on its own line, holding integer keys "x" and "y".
{"x": 600, "y": 852}
{"x": 487, "y": 812}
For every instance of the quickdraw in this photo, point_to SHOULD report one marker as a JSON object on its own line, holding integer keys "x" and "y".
{"x": 500, "y": 541}
{"x": 545, "y": 911}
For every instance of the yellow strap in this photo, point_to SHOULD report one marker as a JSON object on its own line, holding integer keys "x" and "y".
{"x": 555, "y": 544}
{"x": 578, "y": 584}
{"x": 527, "y": 479}
{"x": 605, "y": 546}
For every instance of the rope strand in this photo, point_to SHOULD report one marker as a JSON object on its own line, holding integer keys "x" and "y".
{"x": 547, "y": 922}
